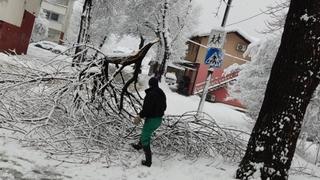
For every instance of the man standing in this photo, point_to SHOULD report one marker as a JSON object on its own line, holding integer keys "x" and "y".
{"x": 153, "y": 108}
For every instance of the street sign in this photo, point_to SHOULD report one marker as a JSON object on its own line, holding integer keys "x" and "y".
{"x": 217, "y": 38}
{"x": 214, "y": 57}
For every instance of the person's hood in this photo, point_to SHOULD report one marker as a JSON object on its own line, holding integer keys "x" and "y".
{"x": 153, "y": 82}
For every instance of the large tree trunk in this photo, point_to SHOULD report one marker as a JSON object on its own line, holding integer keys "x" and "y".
{"x": 294, "y": 77}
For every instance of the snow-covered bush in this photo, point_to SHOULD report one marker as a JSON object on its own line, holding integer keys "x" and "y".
{"x": 40, "y": 28}
{"x": 252, "y": 82}
{"x": 170, "y": 21}
{"x": 73, "y": 29}
{"x": 312, "y": 118}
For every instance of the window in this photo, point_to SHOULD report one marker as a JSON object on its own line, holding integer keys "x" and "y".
{"x": 54, "y": 17}
{"x": 51, "y": 15}
{"x": 54, "y": 35}
{"x": 47, "y": 13}
{"x": 241, "y": 47}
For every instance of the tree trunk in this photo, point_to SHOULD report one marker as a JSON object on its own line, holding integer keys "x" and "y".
{"x": 165, "y": 40}
{"x": 294, "y": 77}
{"x": 83, "y": 36}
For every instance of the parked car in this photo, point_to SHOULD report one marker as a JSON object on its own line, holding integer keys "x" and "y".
{"x": 171, "y": 78}
{"x": 51, "y": 46}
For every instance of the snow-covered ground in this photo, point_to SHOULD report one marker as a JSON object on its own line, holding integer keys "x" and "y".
{"x": 19, "y": 162}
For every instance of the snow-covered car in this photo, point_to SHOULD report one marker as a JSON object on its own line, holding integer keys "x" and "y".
{"x": 171, "y": 78}
{"x": 51, "y": 46}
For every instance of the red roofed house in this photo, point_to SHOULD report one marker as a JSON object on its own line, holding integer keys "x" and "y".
{"x": 192, "y": 72}
{"x": 16, "y": 22}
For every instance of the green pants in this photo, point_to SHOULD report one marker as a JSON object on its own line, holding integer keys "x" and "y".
{"x": 149, "y": 127}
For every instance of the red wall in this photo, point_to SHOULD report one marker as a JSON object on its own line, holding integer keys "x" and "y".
{"x": 16, "y": 38}
{"x": 202, "y": 76}
{"x": 203, "y": 71}
{"x": 221, "y": 96}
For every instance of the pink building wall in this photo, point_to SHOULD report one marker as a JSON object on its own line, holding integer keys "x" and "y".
{"x": 221, "y": 94}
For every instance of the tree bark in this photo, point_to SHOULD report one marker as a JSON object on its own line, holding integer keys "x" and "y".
{"x": 165, "y": 39}
{"x": 294, "y": 77}
{"x": 83, "y": 36}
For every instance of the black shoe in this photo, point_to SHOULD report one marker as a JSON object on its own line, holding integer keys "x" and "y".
{"x": 136, "y": 146}
{"x": 145, "y": 163}
{"x": 148, "y": 154}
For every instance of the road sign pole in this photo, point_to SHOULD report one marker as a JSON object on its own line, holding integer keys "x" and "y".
{"x": 209, "y": 75}
{"x": 214, "y": 59}
{"x": 204, "y": 92}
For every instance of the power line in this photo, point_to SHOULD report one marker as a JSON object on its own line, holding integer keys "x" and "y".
{"x": 251, "y": 17}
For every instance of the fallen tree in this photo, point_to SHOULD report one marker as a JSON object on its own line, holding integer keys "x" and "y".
{"x": 85, "y": 111}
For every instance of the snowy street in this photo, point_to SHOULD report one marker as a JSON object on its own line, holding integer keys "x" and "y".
{"x": 26, "y": 163}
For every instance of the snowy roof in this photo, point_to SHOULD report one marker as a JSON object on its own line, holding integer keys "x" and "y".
{"x": 174, "y": 65}
{"x": 243, "y": 34}
{"x": 228, "y": 30}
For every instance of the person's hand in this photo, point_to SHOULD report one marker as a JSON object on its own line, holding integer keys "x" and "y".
{"x": 137, "y": 120}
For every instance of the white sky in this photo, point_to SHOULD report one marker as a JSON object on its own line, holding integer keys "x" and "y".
{"x": 241, "y": 9}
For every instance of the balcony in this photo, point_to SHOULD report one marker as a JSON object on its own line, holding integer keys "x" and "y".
{"x": 57, "y": 8}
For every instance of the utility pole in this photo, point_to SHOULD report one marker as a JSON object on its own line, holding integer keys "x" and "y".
{"x": 210, "y": 70}
{"x": 226, "y": 14}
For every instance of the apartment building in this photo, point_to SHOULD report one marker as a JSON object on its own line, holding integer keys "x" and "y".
{"x": 58, "y": 12}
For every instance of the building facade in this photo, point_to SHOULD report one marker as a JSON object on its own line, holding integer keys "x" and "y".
{"x": 192, "y": 72}
{"x": 58, "y": 12}
{"x": 16, "y": 23}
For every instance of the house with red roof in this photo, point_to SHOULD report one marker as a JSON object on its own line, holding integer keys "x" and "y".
{"x": 192, "y": 72}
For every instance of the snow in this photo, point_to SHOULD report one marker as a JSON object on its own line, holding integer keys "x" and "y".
{"x": 171, "y": 76}
{"x": 306, "y": 18}
{"x": 243, "y": 33}
{"x": 206, "y": 32}
{"x": 40, "y": 27}
{"x": 125, "y": 46}
{"x": 35, "y": 164}
{"x": 176, "y": 168}
{"x": 224, "y": 115}
{"x": 232, "y": 68}
{"x": 30, "y": 160}
{"x": 4, "y": 58}
{"x": 74, "y": 22}
{"x": 52, "y": 46}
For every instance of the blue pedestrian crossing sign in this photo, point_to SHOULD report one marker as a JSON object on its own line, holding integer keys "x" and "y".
{"x": 214, "y": 57}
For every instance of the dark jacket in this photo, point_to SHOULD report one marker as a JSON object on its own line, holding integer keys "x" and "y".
{"x": 154, "y": 103}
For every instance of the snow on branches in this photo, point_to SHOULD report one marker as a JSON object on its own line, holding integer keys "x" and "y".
{"x": 252, "y": 81}
{"x": 40, "y": 28}
{"x": 85, "y": 111}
